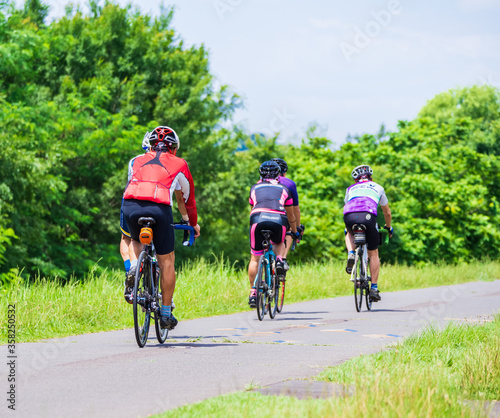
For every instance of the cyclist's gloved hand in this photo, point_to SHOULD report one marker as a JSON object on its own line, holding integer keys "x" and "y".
{"x": 300, "y": 230}
{"x": 296, "y": 236}
{"x": 391, "y": 230}
{"x": 183, "y": 222}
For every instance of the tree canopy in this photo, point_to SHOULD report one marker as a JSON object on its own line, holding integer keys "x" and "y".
{"x": 77, "y": 96}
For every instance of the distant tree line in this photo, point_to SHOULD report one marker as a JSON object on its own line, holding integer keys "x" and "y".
{"x": 77, "y": 96}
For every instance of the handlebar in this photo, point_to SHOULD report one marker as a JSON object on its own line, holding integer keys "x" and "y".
{"x": 188, "y": 239}
{"x": 300, "y": 230}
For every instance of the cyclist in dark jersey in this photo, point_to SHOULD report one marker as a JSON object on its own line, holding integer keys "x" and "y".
{"x": 296, "y": 209}
{"x": 271, "y": 210}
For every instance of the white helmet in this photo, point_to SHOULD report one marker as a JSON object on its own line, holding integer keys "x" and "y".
{"x": 361, "y": 170}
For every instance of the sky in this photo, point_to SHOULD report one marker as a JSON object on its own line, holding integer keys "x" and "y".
{"x": 347, "y": 67}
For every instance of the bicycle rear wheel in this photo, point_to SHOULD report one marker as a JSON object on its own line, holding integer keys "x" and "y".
{"x": 161, "y": 333}
{"x": 261, "y": 289}
{"x": 142, "y": 299}
{"x": 273, "y": 298}
{"x": 356, "y": 276}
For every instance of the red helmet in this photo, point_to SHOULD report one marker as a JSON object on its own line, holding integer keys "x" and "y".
{"x": 163, "y": 137}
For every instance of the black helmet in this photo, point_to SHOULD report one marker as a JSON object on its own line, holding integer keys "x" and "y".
{"x": 360, "y": 171}
{"x": 269, "y": 170}
{"x": 282, "y": 163}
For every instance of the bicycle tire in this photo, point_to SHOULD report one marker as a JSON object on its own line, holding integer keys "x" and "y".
{"x": 367, "y": 289}
{"x": 142, "y": 286}
{"x": 273, "y": 297}
{"x": 281, "y": 294}
{"x": 358, "y": 288}
{"x": 161, "y": 333}
{"x": 261, "y": 293}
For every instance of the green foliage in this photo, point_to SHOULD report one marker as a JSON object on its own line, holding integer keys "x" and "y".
{"x": 441, "y": 175}
{"x": 76, "y": 97}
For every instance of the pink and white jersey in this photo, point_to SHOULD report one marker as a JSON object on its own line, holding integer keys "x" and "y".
{"x": 270, "y": 196}
{"x": 364, "y": 196}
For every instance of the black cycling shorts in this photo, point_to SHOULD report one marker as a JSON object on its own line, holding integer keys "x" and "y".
{"x": 274, "y": 222}
{"x": 163, "y": 230}
{"x": 123, "y": 224}
{"x": 367, "y": 219}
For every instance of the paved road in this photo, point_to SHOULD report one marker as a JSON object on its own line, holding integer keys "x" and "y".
{"x": 107, "y": 375}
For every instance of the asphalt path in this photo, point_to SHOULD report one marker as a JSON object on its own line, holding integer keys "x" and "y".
{"x": 108, "y": 375}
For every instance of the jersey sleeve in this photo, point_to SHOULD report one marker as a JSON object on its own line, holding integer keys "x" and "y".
{"x": 295, "y": 195}
{"x": 187, "y": 187}
{"x": 289, "y": 197}
{"x": 251, "y": 198}
{"x": 383, "y": 198}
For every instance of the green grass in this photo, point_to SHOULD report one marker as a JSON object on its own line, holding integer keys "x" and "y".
{"x": 453, "y": 373}
{"x": 49, "y": 309}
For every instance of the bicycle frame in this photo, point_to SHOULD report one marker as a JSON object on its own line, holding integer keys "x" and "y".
{"x": 362, "y": 254}
{"x": 267, "y": 300}
{"x": 268, "y": 253}
{"x": 361, "y": 281}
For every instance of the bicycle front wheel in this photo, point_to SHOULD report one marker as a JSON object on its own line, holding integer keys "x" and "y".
{"x": 261, "y": 289}
{"x": 141, "y": 299}
{"x": 356, "y": 276}
{"x": 161, "y": 333}
{"x": 281, "y": 293}
{"x": 273, "y": 297}
{"x": 367, "y": 288}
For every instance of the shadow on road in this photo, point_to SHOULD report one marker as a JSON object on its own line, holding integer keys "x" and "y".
{"x": 393, "y": 310}
{"x": 194, "y": 345}
{"x": 297, "y": 319}
{"x": 304, "y": 313}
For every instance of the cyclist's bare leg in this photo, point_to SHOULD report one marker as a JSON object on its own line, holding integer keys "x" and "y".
{"x": 124, "y": 247}
{"x": 374, "y": 265}
{"x": 167, "y": 277}
{"x": 349, "y": 242}
{"x": 279, "y": 249}
{"x": 252, "y": 268}
{"x": 289, "y": 241}
{"x": 136, "y": 250}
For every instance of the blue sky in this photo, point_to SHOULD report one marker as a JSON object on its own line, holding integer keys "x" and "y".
{"x": 346, "y": 66}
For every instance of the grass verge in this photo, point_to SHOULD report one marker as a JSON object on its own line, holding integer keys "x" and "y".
{"x": 454, "y": 372}
{"x": 50, "y": 309}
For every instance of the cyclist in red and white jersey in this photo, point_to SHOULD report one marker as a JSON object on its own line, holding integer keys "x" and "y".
{"x": 361, "y": 202}
{"x": 153, "y": 179}
{"x": 271, "y": 210}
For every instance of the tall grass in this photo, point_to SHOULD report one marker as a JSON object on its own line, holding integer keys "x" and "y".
{"x": 51, "y": 308}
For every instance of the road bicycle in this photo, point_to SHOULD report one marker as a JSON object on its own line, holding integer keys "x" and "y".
{"x": 282, "y": 280}
{"x": 360, "y": 271}
{"x": 147, "y": 293}
{"x": 266, "y": 281}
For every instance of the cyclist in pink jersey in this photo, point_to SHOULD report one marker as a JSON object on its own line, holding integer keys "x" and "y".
{"x": 361, "y": 202}
{"x": 271, "y": 210}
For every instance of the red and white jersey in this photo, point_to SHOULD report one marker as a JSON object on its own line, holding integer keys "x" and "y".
{"x": 155, "y": 176}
